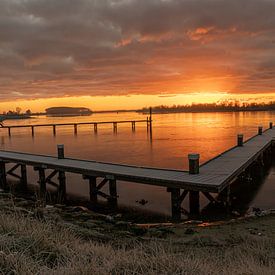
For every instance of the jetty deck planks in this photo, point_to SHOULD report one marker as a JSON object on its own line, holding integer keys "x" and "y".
{"x": 214, "y": 175}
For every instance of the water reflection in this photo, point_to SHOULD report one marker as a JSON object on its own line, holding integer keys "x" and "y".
{"x": 173, "y": 137}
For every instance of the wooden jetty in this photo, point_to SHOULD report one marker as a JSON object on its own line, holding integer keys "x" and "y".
{"x": 75, "y": 126}
{"x": 214, "y": 176}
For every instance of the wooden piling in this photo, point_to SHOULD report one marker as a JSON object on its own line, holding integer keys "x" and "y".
{"x": 3, "y": 175}
{"x": 95, "y": 127}
{"x": 54, "y": 130}
{"x": 23, "y": 180}
{"x": 32, "y": 131}
{"x": 93, "y": 190}
{"x": 194, "y": 165}
{"x": 240, "y": 140}
{"x": 75, "y": 129}
{"x": 42, "y": 183}
{"x": 175, "y": 204}
{"x": 61, "y": 176}
{"x": 133, "y": 126}
{"x": 115, "y": 126}
{"x": 113, "y": 193}
{"x": 9, "y": 131}
{"x": 194, "y": 203}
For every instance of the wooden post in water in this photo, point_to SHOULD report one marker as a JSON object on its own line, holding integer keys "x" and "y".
{"x": 113, "y": 193}
{"x": 75, "y": 129}
{"x": 54, "y": 130}
{"x": 260, "y": 130}
{"x": 42, "y": 183}
{"x": 115, "y": 127}
{"x": 61, "y": 176}
{"x": 9, "y": 130}
{"x": 175, "y": 204}
{"x": 270, "y": 125}
{"x": 240, "y": 140}
{"x": 93, "y": 189}
{"x": 95, "y": 127}
{"x": 194, "y": 196}
{"x": 32, "y": 131}
{"x": 133, "y": 126}
{"x": 3, "y": 175}
{"x": 24, "y": 180}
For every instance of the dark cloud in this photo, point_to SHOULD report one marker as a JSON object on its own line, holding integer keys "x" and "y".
{"x": 110, "y": 47}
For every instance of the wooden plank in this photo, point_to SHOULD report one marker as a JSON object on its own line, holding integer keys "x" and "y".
{"x": 214, "y": 175}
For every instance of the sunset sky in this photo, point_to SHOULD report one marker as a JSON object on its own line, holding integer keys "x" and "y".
{"x": 125, "y": 54}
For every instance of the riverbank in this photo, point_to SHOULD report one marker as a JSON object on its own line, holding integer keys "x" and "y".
{"x": 62, "y": 239}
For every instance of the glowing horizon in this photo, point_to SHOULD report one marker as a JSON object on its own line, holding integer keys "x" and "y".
{"x": 130, "y": 102}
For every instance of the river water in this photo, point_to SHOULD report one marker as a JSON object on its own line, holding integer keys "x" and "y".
{"x": 173, "y": 137}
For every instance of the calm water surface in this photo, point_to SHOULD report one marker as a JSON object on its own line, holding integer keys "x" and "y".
{"x": 174, "y": 136}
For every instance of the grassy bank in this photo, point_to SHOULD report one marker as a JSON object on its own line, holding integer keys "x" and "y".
{"x": 37, "y": 241}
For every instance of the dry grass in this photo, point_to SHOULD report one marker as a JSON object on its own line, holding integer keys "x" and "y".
{"x": 30, "y": 246}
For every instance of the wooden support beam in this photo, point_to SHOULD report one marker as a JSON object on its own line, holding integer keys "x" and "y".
{"x": 3, "y": 175}
{"x": 11, "y": 172}
{"x": 102, "y": 184}
{"x": 209, "y": 197}
{"x": 194, "y": 203}
{"x": 175, "y": 204}
{"x": 24, "y": 179}
{"x": 113, "y": 193}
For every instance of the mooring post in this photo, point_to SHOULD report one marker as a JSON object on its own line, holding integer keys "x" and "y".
{"x": 113, "y": 193}
{"x": 61, "y": 175}
{"x": 133, "y": 126}
{"x": 95, "y": 127}
{"x": 32, "y": 131}
{"x": 175, "y": 204}
{"x": 3, "y": 175}
{"x": 260, "y": 130}
{"x": 270, "y": 125}
{"x": 24, "y": 179}
{"x": 194, "y": 163}
{"x": 115, "y": 126}
{"x": 60, "y": 151}
{"x": 9, "y": 130}
{"x": 75, "y": 129}
{"x": 54, "y": 130}
{"x": 240, "y": 140}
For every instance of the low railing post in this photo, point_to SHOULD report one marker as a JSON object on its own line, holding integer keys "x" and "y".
{"x": 260, "y": 130}
{"x": 240, "y": 140}
{"x": 194, "y": 163}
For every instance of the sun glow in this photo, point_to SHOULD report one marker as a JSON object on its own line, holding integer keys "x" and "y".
{"x": 131, "y": 102}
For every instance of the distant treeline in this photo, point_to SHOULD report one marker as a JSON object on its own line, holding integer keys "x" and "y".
{"x": 213, "y": 107}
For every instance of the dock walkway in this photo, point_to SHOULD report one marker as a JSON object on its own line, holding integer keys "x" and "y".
{"x": 212, "y": 177}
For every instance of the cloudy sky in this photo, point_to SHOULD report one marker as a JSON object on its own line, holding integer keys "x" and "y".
{"x": 144, "y": 48}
